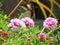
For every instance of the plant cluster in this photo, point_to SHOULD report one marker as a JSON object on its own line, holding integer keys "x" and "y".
{"x": 25, "y": 32}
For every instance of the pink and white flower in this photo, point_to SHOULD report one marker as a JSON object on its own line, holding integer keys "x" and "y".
{"x": 28, "y": 21}
{"x": 42, "y": 36}
{"x": 16, "y": 23}
{"x": 50, "y": 23}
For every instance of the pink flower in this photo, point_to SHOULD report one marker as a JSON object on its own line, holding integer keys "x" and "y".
{"x": 50, "y": 23}
{"x": 5, "y": 34}
{"x": 28, "y": 21}
{"x": 51, "y": 44}
{"x": 42, "y": 36}
{"x": 16, "y": 23}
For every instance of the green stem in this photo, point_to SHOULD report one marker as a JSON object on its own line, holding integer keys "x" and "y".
{"x": 20, "y": 15}
{"x": 51, "y": 2}
{"x": 52, "y": 31}
{"x": 2, "y": 38}
{"x": 44, "y": 6}
{"x": 42, "y": 29}
{"x": 2, "y": 28}
{"x": 49, "y": 32}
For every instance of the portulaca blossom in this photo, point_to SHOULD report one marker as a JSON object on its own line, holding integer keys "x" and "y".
{"x": 16, "y": 23}
{"x": 42, "y": 36}
{"x": 28, "y": 21}
{"x": 50, "y": 23}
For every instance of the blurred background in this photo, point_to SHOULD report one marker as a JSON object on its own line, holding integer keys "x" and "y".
{"x": 36, "y": 9}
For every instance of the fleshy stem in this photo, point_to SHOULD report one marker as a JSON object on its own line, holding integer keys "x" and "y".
{"x": 20, "y": 15}
{"x": 1, "y": 28}
{"x": 51, "y": 3}
{"x": 44, "y": 6}
{"x": 57, "y": 4}
{"x": 2, "y": 38}
{"x": 52, "y": 31}
{"x": 42, "y": 29}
